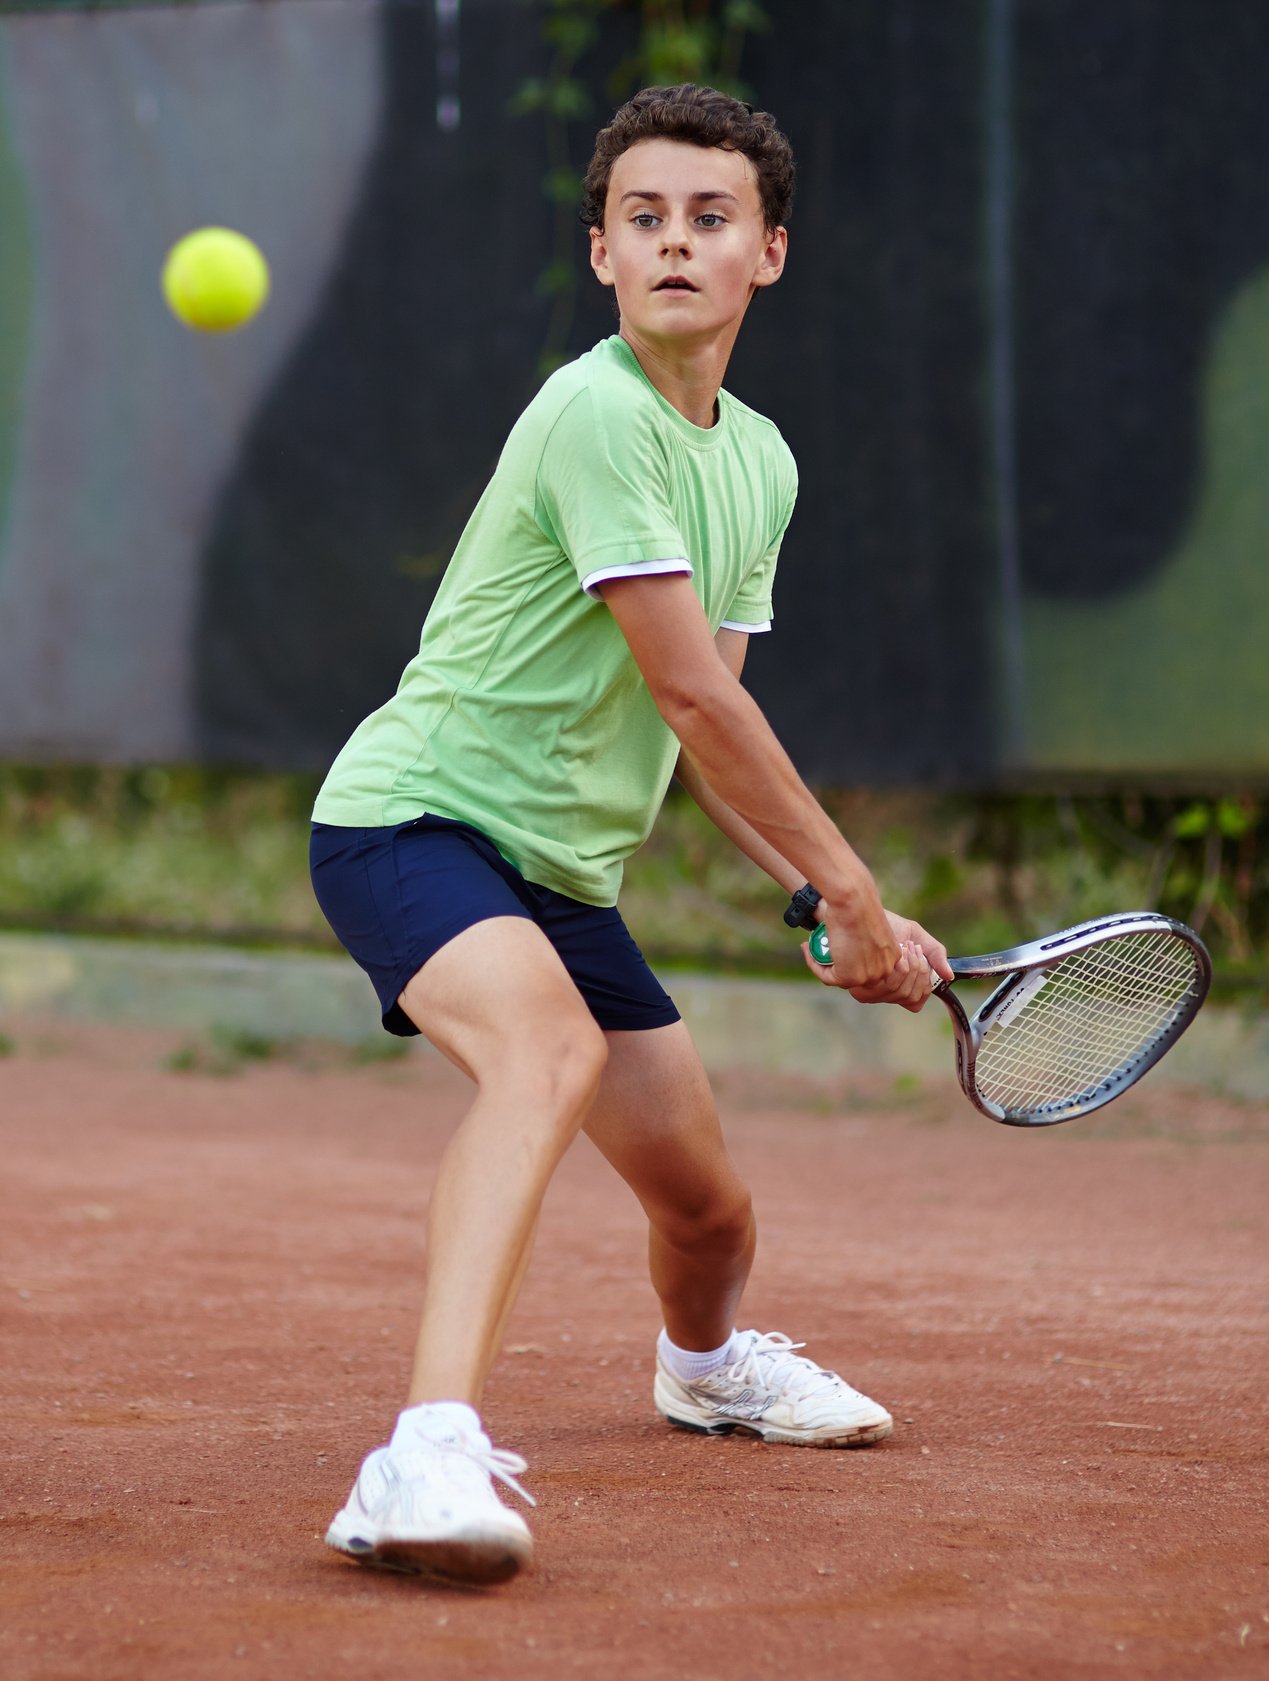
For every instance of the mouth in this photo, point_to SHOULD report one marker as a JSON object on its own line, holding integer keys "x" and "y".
{"x": 674, "y": 283}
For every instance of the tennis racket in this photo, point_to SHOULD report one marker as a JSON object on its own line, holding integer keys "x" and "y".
{"x": 1075, "y": 1018}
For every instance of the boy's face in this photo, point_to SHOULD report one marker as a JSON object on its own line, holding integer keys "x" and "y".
{"x": 683, "y": 242}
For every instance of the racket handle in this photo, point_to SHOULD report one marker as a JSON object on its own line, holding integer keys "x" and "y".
{"x": 821, "y": 953}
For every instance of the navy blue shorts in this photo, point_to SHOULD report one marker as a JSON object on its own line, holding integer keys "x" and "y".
{"x": 396, "y": 895}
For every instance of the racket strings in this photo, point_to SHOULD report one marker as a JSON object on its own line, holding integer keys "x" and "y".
{"x": 1097, "y": 1014}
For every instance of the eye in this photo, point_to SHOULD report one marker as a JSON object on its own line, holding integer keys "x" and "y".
{"x": 644, "y": 219}
{"x": 710, "y": 219}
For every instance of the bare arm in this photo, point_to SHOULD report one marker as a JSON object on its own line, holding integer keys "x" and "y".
{"x": 732, "y": 645}
{"x": 735, "y": 753}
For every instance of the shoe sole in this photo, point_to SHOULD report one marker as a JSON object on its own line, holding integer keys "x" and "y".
{"x": 863, "y": 1437}
{"x": 472, "y": 1563}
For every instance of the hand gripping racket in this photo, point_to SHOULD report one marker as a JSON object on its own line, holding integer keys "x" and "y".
{"x": 1075, "y": 1019}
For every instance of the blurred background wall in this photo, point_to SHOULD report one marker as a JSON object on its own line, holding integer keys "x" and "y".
{"x": 1021, "y": 352}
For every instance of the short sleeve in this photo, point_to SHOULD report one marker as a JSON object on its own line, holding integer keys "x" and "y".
{"x": 603, "y": 493}
{"x": 751, "y": 609}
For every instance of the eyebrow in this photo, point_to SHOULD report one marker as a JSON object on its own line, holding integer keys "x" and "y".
{"x": 694, "y": 198}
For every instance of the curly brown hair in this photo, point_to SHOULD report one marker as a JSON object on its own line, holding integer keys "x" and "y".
{"x": 703, "y": 117}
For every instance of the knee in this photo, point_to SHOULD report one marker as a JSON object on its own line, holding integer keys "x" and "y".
{"x": 577, "y": 1063}
{"x": 717, "y": 1224}
{"x": 556, "y": 1068}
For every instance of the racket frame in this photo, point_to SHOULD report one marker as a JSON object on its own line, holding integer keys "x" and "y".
{"x": 1018, "y": 964}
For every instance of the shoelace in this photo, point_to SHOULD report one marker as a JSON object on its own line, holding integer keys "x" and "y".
{"x": 770, "y": 1362}
{"x": 497, "y": 1462}
{"x": 501, "y": 1463}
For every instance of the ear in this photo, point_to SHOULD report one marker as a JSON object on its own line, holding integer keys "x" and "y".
{"x": 771, "y": 263}
{"x": 599, "y": 257}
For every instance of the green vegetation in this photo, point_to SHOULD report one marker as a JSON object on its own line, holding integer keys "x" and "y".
{"x": 208, "y": 855}
{"x": 224, "y": 1051}
{"x": 178, "y": 852}
{"x": 673, "y": 41}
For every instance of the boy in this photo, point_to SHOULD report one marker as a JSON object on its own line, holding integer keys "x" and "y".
{"x": 586, "y": 644}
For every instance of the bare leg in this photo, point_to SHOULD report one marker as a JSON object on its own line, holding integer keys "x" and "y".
{"x": 499, "y": 1003}
{"x": 656, "y": 1122}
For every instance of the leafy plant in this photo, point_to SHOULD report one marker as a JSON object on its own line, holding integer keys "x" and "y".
{"x": 188, "y": 853}
{"x": 226, "y": 1050}
{"x": 676, "y": 41}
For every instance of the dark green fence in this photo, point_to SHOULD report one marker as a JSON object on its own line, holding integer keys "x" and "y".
{"x": 1021, "y": 353}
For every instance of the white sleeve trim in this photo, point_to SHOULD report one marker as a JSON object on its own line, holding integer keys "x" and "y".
{"x": 753, "y": 630}
{"x": 633, "y": 569}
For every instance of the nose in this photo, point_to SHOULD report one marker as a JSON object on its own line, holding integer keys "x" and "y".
{"x": 676, "y": 235}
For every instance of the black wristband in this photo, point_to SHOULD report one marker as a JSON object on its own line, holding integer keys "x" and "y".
{"x": 801, "y": 911}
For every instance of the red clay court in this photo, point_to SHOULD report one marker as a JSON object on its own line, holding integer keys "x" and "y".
{"x": 208, "y": 1292}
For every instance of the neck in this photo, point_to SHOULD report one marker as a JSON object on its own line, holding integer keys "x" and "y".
{"x": 688, "y": 376}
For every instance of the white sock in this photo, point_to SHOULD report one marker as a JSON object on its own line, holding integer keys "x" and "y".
{"x": 424, "y": 1418}
{"x": 686, "y": 1364}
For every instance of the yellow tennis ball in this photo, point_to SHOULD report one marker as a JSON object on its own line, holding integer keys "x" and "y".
{"x": 215, "y": 280}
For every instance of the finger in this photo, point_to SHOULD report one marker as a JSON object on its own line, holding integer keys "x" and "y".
{"x": 923, "y": 990}
{"x": 918, "y": 968}
{"x": 825, "y": 973}
{"x": 917, "y": 992}
{"x": 924, "y": 978}
{"x": 907, "y": 981}
{"x": 936, "y": 956}
{"x": 929, "y": 975}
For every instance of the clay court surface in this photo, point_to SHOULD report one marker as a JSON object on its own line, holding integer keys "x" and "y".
{"x": 207, "y": 1294}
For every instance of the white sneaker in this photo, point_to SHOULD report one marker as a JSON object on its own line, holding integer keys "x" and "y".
{"x": 772, "y": 1392}
{"x": 426, "y": 1502}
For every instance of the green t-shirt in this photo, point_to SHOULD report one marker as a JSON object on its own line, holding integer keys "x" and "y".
{"x": 524, "y": 712}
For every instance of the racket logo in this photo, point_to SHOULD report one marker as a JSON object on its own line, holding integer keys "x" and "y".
{"x": 1020, "y": 997}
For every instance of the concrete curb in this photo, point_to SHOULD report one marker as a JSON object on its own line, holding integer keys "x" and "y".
{"x": 778, "y": 1027}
